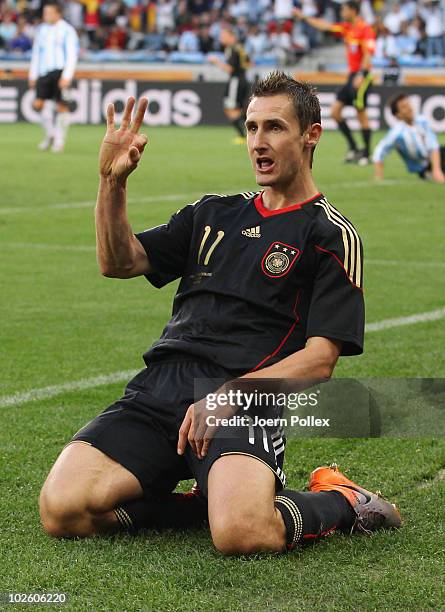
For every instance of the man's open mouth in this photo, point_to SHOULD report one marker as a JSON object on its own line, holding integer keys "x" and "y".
{"x": 265, "y": 164}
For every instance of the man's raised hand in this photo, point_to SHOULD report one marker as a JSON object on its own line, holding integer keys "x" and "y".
{"x": 122, "y": 148}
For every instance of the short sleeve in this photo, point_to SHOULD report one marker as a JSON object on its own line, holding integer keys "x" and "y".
{"x": 368, "y": 39}
{"x": 386, "y": 145}
{"x": 432, "y": 141}
{"x": 167, "y": 247}
{"x": 338, "y": 29}
{"x": 234, "y": 60}
{"x": 337, "y": 309}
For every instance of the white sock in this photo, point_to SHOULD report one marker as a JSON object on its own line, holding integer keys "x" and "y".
{"x": 62, "y": 124}
{"x": 46, "y": 117}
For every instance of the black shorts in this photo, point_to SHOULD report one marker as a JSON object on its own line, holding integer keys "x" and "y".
{"x": 351, "y": 96}
{"x": 140, "y": 430}
{"x": 47, "y": 87}
{"x": 235, "y": 94}
{"x": 424, "y": 174}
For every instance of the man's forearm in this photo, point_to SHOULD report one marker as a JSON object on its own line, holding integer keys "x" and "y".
{"x": 318, "y": 24}
{"x": 223, "y": 66}
{"x": 379, "y": 172}
{"x": 367, "y": 61}
{"x": 436, "y": 165}
{"x": 114, "y": 237}
{"x": 315, "y": 361}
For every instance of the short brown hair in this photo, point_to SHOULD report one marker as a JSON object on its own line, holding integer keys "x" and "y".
{"x": 353, "y": 5}
{"x": 394, "y": 103}
{"x": 55, "y": 4}
{"x": 302, "y": 94}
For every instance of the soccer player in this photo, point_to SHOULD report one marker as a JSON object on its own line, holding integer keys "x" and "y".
{"x": 53, "y": 62}
{"x": 236, "y": 64}
{"x": 414, "y": 140}
{"x": 271, "y": 287}
{"x": 359, "y": 39}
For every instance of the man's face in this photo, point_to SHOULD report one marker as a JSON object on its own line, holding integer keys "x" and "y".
{"x": 226, "y": 38}
{"x": 405, "y": 111}
{"x": 347, "y": 13}
{"x": 276, "y": 147}
{"x": 50, "y": 14}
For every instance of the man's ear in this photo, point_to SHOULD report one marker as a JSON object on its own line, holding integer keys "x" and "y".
{"x": 313, "y": 135}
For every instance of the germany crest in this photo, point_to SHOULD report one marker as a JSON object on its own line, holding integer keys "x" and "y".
{"x": 279, "y": 259}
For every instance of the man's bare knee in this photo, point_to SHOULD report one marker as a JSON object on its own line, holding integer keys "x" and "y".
{"x": 336, "y": 111}
{"x": 242, "y": 517}
{"x": 63, "y": 514}
{"x": 234, "y": 534}
{"x": 81, "y": 491}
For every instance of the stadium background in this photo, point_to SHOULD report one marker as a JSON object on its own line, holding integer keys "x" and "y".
{"x": 70, "y": 338}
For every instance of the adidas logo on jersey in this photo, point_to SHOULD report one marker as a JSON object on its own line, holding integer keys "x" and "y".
{"x": 252, "y": 232}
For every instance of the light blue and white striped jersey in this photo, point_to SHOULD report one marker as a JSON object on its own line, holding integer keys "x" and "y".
{"x": 414, "y": 143}
{"x": 56, "y": 47}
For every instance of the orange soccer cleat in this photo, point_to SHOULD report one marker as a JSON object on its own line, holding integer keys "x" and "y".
{"x": 373, "y": 512}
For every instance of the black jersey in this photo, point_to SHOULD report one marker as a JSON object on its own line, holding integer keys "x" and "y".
{"x": 257, "y": 283}
{"x": 238, "y": 59}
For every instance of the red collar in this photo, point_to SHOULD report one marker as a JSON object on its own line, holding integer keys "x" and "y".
{"x": 265, "y": 212}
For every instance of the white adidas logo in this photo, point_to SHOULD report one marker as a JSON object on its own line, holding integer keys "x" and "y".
{"x": 252, "y": 232}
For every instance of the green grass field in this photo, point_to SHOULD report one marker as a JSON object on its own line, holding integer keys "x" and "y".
{"x": 62, "y": 322}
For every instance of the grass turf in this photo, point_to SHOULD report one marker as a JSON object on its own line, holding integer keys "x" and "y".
{"x": 62, "y": 321}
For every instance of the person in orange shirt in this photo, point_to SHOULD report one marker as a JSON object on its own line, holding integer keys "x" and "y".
{"x": 91, "y": 18}
{"x": 359, "y": 38}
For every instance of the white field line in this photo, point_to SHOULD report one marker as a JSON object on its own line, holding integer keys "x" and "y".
{"x": 421, "y": 317}
{"x": 439, "y": 477}
{"x": 185, "y": 197}
{"x": 76, "y": 385}
{"x": 18, "y": 399}
{"x": 68, "y": 205}
{"x": 48, "y": 247}
{"x": 405, "y": 262}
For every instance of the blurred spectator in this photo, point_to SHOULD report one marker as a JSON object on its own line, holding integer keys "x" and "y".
{"x": 91, "y": 17}
{"x": 405, "y": 43}
{"x": 171, "y": 40}
{"x": 386, "y": 44}
{"x": 154, "y": 41}
{"x": 8, "y": 29}
{"x": 422, "y": 43}
{"x": 336, "y": 7}
{"x": 281, "y": 43}
{"x": 117, "y": 37}
{"x": 165, "y": 15}
{"x": 215, "y": 26}
{"x": 283, "y": 9}
{"x": 22, "y": 40}
{"x": 432, "y": 14}
{"x": 188, "y": 42}
{"x": 394, "y": 19}
{"x": 257, "y": 42}
{"x": 408, "y": 8}
{"x": 238, "y": 8}
{"x": 99, "y": 39}
{"x": 415, "y": 27}
{"x": 197, "y": 7}
{"x": 367, "y": 12}
{"x": 205, "y": 41}
{"x": 309, "y": 8}
{"x": 193, "y": 26}
{"x": 109, "y": 10}
{"x": 391, "y": 73}
{"x": 73, "y": 13}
